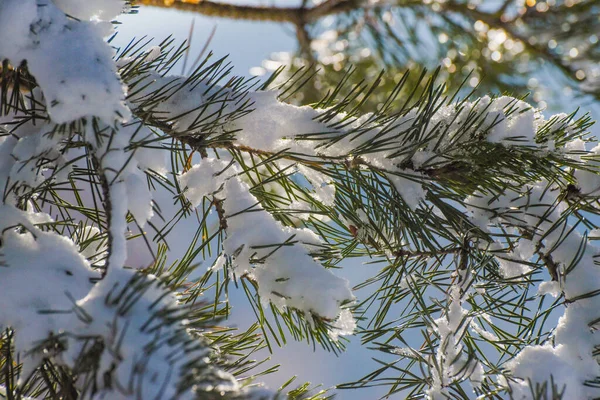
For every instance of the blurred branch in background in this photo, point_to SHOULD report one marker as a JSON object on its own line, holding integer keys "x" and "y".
{"x": 517, "y": 46}
{"x": 295, "y": 15}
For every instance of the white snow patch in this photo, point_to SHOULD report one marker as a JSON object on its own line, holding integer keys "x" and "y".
{"x": 276, "y": 256}
{"x": 69, "y": 60}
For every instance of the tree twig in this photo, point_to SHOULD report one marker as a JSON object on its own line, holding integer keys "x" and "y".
{"x": 295, "y": 15}
{"x": 106, "y": 203}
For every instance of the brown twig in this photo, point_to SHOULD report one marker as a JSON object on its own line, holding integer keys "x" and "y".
{"x": 455, "y": 171}
{"x": 220, "y": 212}
{"x": 294, "y": 15}
{"x": 551, "y": 265}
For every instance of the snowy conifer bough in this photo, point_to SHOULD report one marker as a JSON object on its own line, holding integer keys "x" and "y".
{"x": 479, "y": 211}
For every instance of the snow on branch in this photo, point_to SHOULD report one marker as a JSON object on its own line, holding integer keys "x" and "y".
{"x": 419, "y": 145}
{"x": 123, "y": 325}
{"x": 42, "y": 273}
{"x": 69, "y": 59}
{"x": 259, "y": 247}
{"x": 451, "y": 362}
{"x": 538, "y": 212}
{"x": 111, "y": 331}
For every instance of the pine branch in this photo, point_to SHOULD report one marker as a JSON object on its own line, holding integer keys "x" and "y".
{"x": 198, "y": 144}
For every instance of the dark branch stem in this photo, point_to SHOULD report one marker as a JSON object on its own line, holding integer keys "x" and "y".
{"x": 453, "y": 170}
{"x": 218, "y": 203}
{"x": 548, "y": 261}
{"x": 551, "y": 265}
{"x": 294, "y": 15}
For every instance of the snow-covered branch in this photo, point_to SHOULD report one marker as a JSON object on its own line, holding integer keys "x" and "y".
{"x": 539, "y": 209}
{"x": 490, "y": 180}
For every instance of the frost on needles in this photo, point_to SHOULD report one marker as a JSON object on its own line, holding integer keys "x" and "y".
{"x": 487, "y": 192}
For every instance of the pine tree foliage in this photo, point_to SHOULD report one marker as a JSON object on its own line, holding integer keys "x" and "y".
{"x": 480, "y": 213}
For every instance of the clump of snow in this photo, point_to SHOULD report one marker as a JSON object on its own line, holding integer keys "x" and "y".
{"x": 36, "y": 142}
{"x": 587, "y": 179}
{"x": 70, "y": 61}
{"x": 277, "y": 257}
{"x": 274, "y": 124}
{"x": 520, "y": 128}
{"x": 39, "y": 271}
{"x": 513, "y": 268}
{"x": 203, "y": 179}
{"x": 549, "y": 287}
{"x": 487, "y": 335}
{"x": 344, "y": 325}
{"x": 405, "y": 351}
{"x": 513, "y": 264}
{"x": 410, "y": 190}
{"x": 91, "y": 9}
{"x": 141, "y": 341}
{"x": 540, "y": 362}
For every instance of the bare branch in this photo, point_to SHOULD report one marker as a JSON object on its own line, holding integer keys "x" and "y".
{"x": 294, "y": 15}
